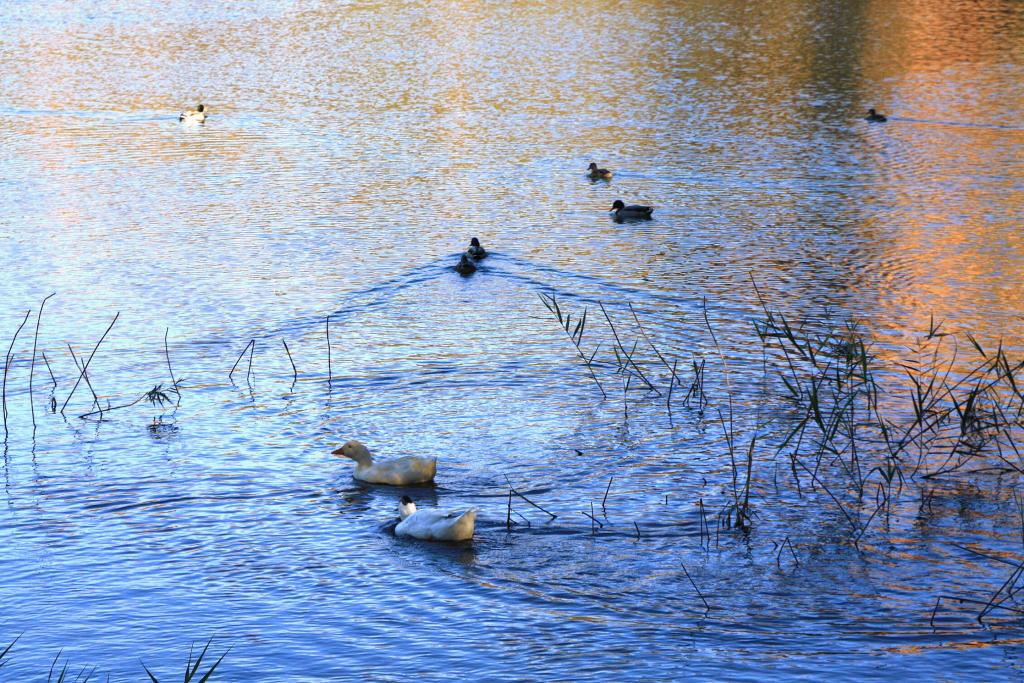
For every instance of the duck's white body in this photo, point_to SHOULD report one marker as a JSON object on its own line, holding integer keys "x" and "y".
{"x": 408, "y": 471}
{"x": 435, "y": 525}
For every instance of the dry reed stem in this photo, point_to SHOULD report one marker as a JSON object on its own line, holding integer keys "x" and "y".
{"x": 87, "y": 362}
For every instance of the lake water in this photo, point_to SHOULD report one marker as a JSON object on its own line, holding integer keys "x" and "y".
{"x": 352, "y": 150}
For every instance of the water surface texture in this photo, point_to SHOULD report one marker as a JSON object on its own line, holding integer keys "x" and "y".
{"x": 352, "y": 150}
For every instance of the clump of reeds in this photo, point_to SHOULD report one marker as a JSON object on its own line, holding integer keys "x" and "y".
{"x": 847, "y": 433}
{"x": 64, "y": 675}
{"x": 62, "y": 672}
{"x": 575, "y": 334}
{"x": 192, "y": 668}
{"x": 967, "y": 421}
{"x": 636, "y": 371}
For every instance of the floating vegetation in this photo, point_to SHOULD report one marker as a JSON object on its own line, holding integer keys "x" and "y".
{"x": 157, "y": 396}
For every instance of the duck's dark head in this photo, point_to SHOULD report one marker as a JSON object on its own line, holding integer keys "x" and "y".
{"x": 200, "y": 108}
{"x": 593, "y": 166}
{"x": 617, "y": 204}
{"x": 872, "y": 112}
{"x": 474, "y": 242}
{"x": 406, "y": 507}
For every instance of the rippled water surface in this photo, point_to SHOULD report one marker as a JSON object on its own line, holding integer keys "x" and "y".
{"x": 352, "y": 150}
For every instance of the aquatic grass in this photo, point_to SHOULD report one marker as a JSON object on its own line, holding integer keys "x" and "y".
{"x": 594, "y": 521}
{"x": 707, "y": 607}
{"x": 295, "y": 372}
{"x": 792, "y": 551}
{"x": 696, "y": 390}
{"x": 85, "y": 365}
{"x": 7, "y": 365}
{"x": 575, "y": 335}
{"x": 46, "y": 361}
{"x": 997, "y": 600}
{"x": 157, "y": 396}
{"x": 743, "y": 511}
{"x": 85, "y": 375}
{"x": 192, "y": 669}
{"x": 624, "y": 358}
{"x": 843, "y": 430}
{"x": 61, "y": 672}
{"x": 32, "y": 366}
{"x": 705, "y": 528}
{"x": 956, "y": 422}
{"x": 671, "y": 368}
{"x": 4, "y": 654}
{"x": 520, "y": 495}
{"x": 327, "y": 325}
{"x": 176, "y": 383}
{"x": 64, "y": 676}
{"x": 251, "y": 348}
{"x": 604, "y": 500}
{"x": 671, "y": 386}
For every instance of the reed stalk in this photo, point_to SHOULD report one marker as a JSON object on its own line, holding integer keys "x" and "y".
{"x": 513, "y": 490}
{"x": 88, "y": 383}
{"x": 295, "y": 372}
{"x": 32, "y": 367}
{"x": 85, "y": 366}
{"x": 330, "y": 377}
{"x": 252, "y": 343}
{"x": 575, "y": 336}
{"x": 7, "y": 366}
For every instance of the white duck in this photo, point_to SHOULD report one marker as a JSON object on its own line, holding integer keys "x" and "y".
{"x": 407, "y": 471}
{"x": 192, "y": 116}
{"x": 434, "y": 525}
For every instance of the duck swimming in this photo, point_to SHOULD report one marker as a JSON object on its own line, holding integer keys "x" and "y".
{"x": 875, "y": 117}
{"x": 476, "y": 251}
{"x": 408, "y": 471}
{"x": 197, "y": 115}
{"x": 595, "y": 173}
{"x": 621, "y": 211}
{"x": 465, "y": 266}
{"x": 434, "y": 525}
